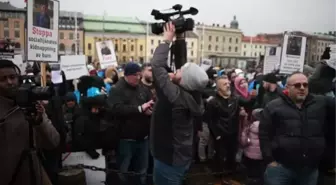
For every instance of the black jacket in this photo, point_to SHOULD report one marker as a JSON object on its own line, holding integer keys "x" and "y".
{"x": 124, "y": 101}
{"x": 293, "y": 136}
{"x": 222, "y": 115}
{"x": 172, "y": 129}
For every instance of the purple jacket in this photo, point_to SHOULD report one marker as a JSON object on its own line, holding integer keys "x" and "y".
{"x": 250, "y": 141}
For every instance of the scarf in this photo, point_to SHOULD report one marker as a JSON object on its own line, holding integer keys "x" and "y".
{"x": 241, "y": 91}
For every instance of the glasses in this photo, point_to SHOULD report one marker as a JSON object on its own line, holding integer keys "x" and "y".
{"x": 299, "y": 85}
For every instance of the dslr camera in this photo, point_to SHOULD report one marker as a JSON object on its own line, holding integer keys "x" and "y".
{"x": 181, "y": 24}
{"x": 29, "y": 93}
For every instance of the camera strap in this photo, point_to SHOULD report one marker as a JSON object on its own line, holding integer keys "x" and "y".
{"x": 9, "y": 112}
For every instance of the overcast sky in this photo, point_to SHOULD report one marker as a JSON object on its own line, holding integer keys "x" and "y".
{"x": 254, "y": 16}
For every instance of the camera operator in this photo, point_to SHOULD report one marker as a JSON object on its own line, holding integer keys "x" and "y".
{"x": 171, "y": 136}
{"x": 14, "y": 132}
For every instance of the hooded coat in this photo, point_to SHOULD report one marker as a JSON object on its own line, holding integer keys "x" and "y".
{"x": 172, "y": 131}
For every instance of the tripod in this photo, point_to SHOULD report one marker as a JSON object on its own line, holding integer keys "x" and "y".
{"x": 178, "y": 52}
{"x": 27, "y": 153}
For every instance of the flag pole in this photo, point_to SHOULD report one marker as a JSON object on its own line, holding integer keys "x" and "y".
{"x": 76, "y": 32}
{"x": 147, "y": 37}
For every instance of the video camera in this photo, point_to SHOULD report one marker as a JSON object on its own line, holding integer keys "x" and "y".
{"x": 29, "y": 93}
{"x": 181, "y": 24}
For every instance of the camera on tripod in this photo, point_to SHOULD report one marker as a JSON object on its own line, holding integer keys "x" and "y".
{"x": 181, "y": 24}
{"x": 29, "y": 93}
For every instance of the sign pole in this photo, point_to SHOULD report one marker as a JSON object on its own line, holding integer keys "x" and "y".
{"x": 43, "y": 74}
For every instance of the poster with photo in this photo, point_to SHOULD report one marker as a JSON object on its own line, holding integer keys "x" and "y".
{"x": 293, "y": 54}
{"x": 272, "y": 59}
{"x": 42, "y": 30}
{"x": 106, "y": 54}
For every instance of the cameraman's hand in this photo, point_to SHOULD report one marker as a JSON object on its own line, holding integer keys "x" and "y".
{"x": 40, "y": 110}
{"x": 169, "y": 31}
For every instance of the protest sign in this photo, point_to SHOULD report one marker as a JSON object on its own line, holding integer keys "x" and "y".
{"x": 42, "y": 30}
{"x": 332, "y": 61}
{"x": 272, "y": 59}
{"x": 206, "y": 64}
{"x": 106, "y": 54}
{"x": 73, "y": 66}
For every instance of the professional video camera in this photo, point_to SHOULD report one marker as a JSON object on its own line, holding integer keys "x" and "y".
{"x": 29, "y": 93}
{"x": 181, "y": 24}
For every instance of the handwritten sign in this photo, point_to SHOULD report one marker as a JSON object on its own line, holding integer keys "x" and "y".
{"x": 73, "y": 66}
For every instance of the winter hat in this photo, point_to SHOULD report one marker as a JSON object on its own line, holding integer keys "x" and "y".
{"x": 131, "y": 68}
{"x": 70, "y": 96}
{"x": 194, "y": 78}
{"x": 270, "y": 78}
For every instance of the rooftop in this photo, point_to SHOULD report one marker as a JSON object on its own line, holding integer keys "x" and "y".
{"x": 6, "y": 6}
{"x": 255, "y": 39}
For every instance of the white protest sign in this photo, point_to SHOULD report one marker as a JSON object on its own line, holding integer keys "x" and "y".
{"x": 332, "y": 61}
{"x": 92, "y": 177}
{"x": 206, "y": 64}
{"x": 293, "y": 54}
{"x": 106, "y": 54}
{"x": 56, "y": 77}
{"x": 17, "y": 60}
{"x": 272, "y": 59}
{"x": 42, "y": 30}
{"x": 73, "y": 66}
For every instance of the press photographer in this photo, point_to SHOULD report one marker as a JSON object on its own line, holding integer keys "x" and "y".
{"x": 177, "y": 105}
{"x": 21, "y": 132}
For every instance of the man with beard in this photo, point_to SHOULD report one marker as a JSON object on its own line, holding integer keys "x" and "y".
{"x": 147, "y": 78}
{"x": 292, "y": 133}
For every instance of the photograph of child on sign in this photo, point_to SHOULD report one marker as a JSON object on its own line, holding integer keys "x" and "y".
{"x": 294, "y": 44}
{"x": 43, "y": 13}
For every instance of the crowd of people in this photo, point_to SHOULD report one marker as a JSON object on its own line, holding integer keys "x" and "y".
{"x": 268, "y": 127}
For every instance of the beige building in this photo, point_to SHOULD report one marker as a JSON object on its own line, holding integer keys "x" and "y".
{"x": 220, "y": 43}
{"x": 192, "y": 45}
{"x": 255, "y": 46}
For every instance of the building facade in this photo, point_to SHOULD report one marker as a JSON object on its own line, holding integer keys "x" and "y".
{"x": 191, "y": 40}
{"x": 71, "y": 39}
{"x": 12, "y": 25}
{"x": 221, "y": 43}
{"x": 255, "y": 46}
{"x": 127, "y": 34}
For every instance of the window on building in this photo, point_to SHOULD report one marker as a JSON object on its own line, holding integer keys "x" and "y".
{"x": 255, "y": 46}
{"x": 216, "y": 39}
{"x": 244, "y": 53}
{"x": 61, "y": 35}
{"x": 152, "y": 51}
{"x": 124, "y": 58}
{"x": 209, "y": 47}
{"x": 244, "y": 45}
{"x": 236, "y": 49}
{"x": 71, "y": 36}
{"x": 230, "y": 39}
{"x": 223, "y": 39}
{"x": 152, "y": 41}
{"x": 255, "y": 54}
{"x": 78, "y": 35}
{"x": 89, "y": 46}
{"x": 115, "y": 47}
{"x": 62, "y": 47}
{"x": 6, "y": 33}
{"x": 229, "y": 48}
{"x": 17, "y": 24}
{"x": 132, "y": 48}
{"x": 73, "y": 48}
{"x": 192, "y": 44}
{"x": 17, "y": 34}
{"x": 191, "y": 53}
{"x": 124, "y": 47}
{"x": 141, "y": 47}
{"x": 210, "y": 38}
{"x": 260, "y": 46}
{"x": 216, "y": 48}
{"x": 237, "y": 40}
{"x": 201, "y": 46}
{"x": 5, "y": 24}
